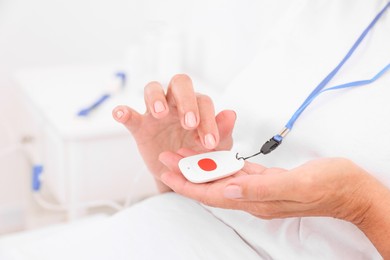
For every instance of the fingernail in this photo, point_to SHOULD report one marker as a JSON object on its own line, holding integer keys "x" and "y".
{"x": 209, "y": 140}
{"x": 119, "y": 114}
{"x": 233, "y": 192}
{"x": 190, "y": 119}
{"x": 159, "y": 106}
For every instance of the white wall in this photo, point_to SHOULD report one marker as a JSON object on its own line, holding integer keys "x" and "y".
{"x": 218, "y": 39}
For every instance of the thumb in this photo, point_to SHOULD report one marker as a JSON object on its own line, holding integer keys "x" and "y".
{"x": 130, "y": 118}
{"x": 258, "y": 187}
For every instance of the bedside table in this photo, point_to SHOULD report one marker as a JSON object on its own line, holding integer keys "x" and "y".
{"x": 88, "y": 158}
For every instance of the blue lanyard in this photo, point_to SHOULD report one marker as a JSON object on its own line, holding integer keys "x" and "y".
{"x": 276, "y": 140}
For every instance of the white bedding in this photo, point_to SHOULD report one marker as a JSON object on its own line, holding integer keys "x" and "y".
{"x": 173, "y": 227}
{"x": 162, "y": 227}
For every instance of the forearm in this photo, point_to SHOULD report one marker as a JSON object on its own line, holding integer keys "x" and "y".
{"x": 375, "y": 223}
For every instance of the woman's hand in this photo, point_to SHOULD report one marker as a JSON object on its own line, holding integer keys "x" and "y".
{"x": 178, "y": 118}
{"x": 325, "y": 187}
{"x": 332, "y": 187}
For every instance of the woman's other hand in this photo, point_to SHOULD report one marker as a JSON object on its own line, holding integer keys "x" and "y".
{"x": 329, "y": 187}
{"x": 175, "y": 119}
{"x": 333, "y": 187}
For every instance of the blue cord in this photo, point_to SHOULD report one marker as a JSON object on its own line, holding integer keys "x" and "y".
{"x": 320, "y": 88}
{"x": 276, "y": 140}
{"x": 346, "y": 85}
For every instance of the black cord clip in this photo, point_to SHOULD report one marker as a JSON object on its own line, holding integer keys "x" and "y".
{"x": 271, "y": 145}
{"x": 268, "y": 147}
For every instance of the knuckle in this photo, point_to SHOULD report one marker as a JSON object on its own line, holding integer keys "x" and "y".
{"x": 180, "y": 78}
{"x": 344, "y": 161}
{"x": 261, "y": 192}
{"x": 151, "y": 86}
{"x": 206, "y": 201}
{"x": 263, "y": 211}
{"x": 204, "y": 99}
{"x": 273, "y": 170}
{"x": 154, "y": 83}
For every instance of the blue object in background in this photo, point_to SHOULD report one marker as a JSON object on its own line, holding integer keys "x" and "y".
{"x": 123, "y": 78}
{"x": 37, "y": 171}
{"x": 86, "y": 111}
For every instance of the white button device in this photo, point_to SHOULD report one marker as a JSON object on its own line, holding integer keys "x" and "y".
{"x": 210, "y": 166}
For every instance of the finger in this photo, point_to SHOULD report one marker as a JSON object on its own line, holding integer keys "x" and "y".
{"x": 181, "y": 95}
{"x": 263, "y": 187}
{"x": 130, "y": 118}
{"x": 225, "y": 122}
{"x": 249, "y": 168}
{"x": 210, "y": 194}
{"x": 207, "y": 129}
{"x": 171, "y": 160}
{"x": 281, "y": 209}
{"x": 173, "y": 178}
{"x": 155, "y": 100}
{"x": 185, "y": 152}
{"x": 206, "y": 193}
{"x": 253, "y": 168}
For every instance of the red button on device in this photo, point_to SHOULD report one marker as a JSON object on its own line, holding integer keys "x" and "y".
{"x": 207, "y": 164}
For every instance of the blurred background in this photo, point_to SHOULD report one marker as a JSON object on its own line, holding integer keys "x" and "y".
{"x": 58, "y": 57}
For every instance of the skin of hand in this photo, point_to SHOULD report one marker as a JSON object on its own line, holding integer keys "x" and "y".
{"x": 173, "y": 119}
{"x": 332, "y": 187}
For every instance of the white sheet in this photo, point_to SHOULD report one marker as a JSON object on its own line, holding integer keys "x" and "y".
{"x": 163, "y": 227}
{"x": 173, "y": 227}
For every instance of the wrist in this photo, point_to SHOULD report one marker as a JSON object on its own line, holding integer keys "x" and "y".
{"x": 362, "y": 202}
{"x": 355, "y": 194}
{"x": 376, "y": 204}
{"x": 375, "y": 222}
